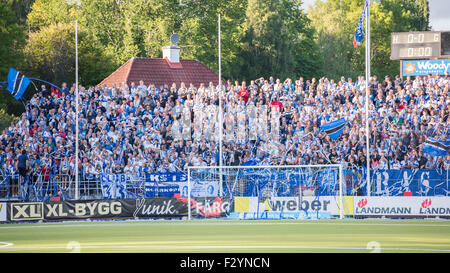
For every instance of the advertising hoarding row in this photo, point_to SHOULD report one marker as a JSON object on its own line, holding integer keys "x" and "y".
{"x": 239, "y": 208}
{"x": 354, "y": 206}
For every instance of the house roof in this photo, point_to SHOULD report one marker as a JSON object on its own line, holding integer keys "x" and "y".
{"x": 161, "y": 72}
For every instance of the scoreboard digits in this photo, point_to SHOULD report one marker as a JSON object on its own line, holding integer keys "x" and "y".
{"x": 419, "y": 45}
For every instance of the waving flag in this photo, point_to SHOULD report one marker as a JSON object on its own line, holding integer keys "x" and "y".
{"x": 436, "y": 147}
{"x": 359, "y": 34}
{"x": 17, "y": 83}
{"x": 334, "y": 129}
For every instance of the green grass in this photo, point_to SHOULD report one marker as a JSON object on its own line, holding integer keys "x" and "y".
{"x": 224, "y": 236}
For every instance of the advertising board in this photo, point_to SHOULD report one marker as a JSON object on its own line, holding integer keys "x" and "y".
{"x": 402, "y": 206}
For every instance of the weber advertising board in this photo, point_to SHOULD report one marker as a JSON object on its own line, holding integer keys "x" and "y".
{"x": 290, "y": 207}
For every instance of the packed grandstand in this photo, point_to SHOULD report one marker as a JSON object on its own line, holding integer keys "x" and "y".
{"x": 143, "y": 128}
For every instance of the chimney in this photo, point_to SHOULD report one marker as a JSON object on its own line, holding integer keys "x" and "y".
{"x": 171, "y": 53}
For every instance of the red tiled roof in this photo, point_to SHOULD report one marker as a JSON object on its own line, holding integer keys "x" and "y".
{"x": 161, "y": 72}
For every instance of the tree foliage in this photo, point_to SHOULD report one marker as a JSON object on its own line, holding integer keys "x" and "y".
{"x": 12, "y": 42}
{"x": 258, "y": 38}
{"x": 336, "y": 21}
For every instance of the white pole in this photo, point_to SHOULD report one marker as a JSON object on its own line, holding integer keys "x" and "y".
{"x": 76, "y": 110}
{"x": 341, "y": 189}
{"x": 220, "y": 115}
{"x": 367, "y": 93}
{"x": 189, "y": 194}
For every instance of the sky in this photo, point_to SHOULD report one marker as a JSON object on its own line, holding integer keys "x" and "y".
{"x": 439, "y": 13}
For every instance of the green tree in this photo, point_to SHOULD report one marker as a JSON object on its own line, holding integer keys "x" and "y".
{"x": 21, "y": 9}
{"x": 336, "y": 21}
{"x": 278, "y": 41}
{"x": 198, "y": 29}
{"x": 12, "y": 42}
{"x": 50, "y": 48}
{"x": 51, "y": 55}
{"x": 6, "y": 119}
{"x": 306, "y": 54}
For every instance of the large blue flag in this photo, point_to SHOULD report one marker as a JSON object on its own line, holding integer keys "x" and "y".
{"x": 436, "y": 147}
{"x": 359, "y": 34}
{"x": 335, "y": 128}
{"x": 17, "y": 83}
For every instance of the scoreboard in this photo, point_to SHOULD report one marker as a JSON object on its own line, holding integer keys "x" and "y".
{"x": 420, "y": 45}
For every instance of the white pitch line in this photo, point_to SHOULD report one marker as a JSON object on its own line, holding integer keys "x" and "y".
{"x": 204, "y": 223}
{"x": 227, "y": 247}
{"x": 5, "y": 244}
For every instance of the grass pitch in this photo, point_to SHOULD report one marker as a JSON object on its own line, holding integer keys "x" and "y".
{"x": 229, "y": 236}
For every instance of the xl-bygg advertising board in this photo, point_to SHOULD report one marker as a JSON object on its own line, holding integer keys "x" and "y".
{"x": 26, "y": 211}
{"x": 84, "y": 209}
{"x": 119, "y": 208}
{"x": 402, "y": 206}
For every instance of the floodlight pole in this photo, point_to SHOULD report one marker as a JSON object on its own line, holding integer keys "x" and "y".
{"x": 77, "y": 3}
{"x": 367, "y": 94}
{"x": 76, "y": 112}
{"x": 220, "y": 114}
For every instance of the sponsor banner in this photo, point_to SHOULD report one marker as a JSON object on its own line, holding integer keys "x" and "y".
{"x": 308, "y": 204}
{"x": 158, "y": 207}
{"x": 113, "y": 186}
{"x": 425, "y": 67}
{"x": 402, "y": 206}
{"x": 210, "y": 207}
{"x": 3, "y": 209}
{"x": 119, "y": 208}
{"x": 26, "y": 211}
{"x": 82, "y": 209}
{"x": 178, "y": 207}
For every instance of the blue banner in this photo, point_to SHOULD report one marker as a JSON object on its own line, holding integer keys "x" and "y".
{"x": 166, "y": 177}
{"x": 161, "y": 189}
{"x": 114, "y": 186}
{"x": 171, "y": 183}
{"x": 334, "y": 129}
{"x": 406, "y": 182}
{"x": 425, "y": 67}
{"x": 271, "y": 183}
{"x": 436, "y": 147}
{"x": 163, "y": 184}
{"x": 17, "y": 83}
{"x": 359, "y": 33}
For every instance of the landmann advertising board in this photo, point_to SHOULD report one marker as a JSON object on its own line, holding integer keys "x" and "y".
{"x": 118, "y": 208}
{"x": 426, "y": 206}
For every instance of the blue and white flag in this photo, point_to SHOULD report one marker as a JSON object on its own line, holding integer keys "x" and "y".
{"x": 436, "y": 147}
{"x": 334, "y": 129}
{"x": 114, "y": 186}
{"x": 359, "y": 34}
{"x": 17, "y": 83}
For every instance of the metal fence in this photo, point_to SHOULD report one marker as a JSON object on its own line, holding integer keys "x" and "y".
{"x": 44, "y": 187}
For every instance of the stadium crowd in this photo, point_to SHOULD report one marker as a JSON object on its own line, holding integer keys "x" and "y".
{"x": 143, "y": 128}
